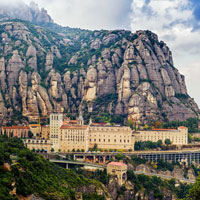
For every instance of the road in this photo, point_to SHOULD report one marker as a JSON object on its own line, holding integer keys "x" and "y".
{"x": 190, "y": 181}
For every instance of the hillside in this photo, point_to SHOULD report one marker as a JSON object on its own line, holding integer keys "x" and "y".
{"x": 108, "y": 75}
{"x": 26, "y": 174}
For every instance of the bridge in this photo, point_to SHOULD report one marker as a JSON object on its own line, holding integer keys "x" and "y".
{"x": 187, "y": 156}
{"x": 101, "y": 167}
{"x": 69, "y": 162}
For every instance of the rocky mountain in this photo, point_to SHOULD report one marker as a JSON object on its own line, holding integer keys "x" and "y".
{"x": 22, "y": 11}
{"x": 108, "y": 75}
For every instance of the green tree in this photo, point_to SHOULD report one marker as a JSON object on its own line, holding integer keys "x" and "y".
{"x": 194, "y": 192}
{"x": 189, "y": 138}
{"x": 159, "y": 143}
{"x": 130, "y": 123}
{"x": 119, "y": 156}
{"x": 168, "y": 142}
{"x": 30, "y": 134}
{"x": 95, "y": 148}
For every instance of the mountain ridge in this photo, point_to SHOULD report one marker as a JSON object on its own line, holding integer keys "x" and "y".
{"x": 108, "y": 75}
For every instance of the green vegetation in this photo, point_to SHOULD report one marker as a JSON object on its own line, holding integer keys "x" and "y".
{"x": 191, "y": 123}
{"x": 32, "y": 174}
{"x": 100, "y": 107}
{"x": 149, "y": 145}
{"x": 97, "y": 175}
{"x": 194, "y": 192}
{"x": 181, "y": 96}
{"x": 159, "y": 165}
{"x": 156, "y": 185}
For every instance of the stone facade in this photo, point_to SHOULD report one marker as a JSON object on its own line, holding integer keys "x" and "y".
{"x": 74, "y": 137}
{"x": 16, "y": 131}
{"x": 118, "y": 169}
{"x": 31, "y": 144}
{"x": 46, "y": 132}
{"x": 56, "y": 121}
{"x": 111, "y": 137}
{"x": 177, "y": 136}
{"x": 71, "y": 135}
{"x": 35, "y": 129}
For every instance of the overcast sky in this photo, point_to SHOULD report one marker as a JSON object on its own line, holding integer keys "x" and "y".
{"x": 177, "y": 22}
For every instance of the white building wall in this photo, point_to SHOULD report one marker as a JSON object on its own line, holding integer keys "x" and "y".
{"x": 56, "y": 121}
{"x": 177, "y": 137}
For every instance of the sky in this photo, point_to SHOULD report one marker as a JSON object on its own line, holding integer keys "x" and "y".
{"x": 177, "y": 22}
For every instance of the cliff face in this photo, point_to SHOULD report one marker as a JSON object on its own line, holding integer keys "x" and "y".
{"x": 117, "y": 73}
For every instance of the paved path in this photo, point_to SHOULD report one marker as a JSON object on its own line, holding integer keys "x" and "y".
{"x": 191, "y": 181}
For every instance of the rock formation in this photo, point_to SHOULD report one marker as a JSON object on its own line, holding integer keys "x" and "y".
{"x": 112, "y": 73}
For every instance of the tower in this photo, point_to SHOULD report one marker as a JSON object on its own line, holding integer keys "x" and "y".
{"x": 80, "y": 119}
{"x": 56, "y": 121}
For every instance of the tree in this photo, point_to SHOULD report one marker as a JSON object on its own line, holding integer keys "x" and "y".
{"x": 42, "y": 150}
{"x": 159, "y": 143}
{"x": 30, "y": 134}
{"x": 52, "y": 150}
{"x": 119, "y": 156}
{"x": 194, "y": 193}
{"x": 168, "y": 142}
{"x": 11, "y": 134}
{"x": 189, "y": 138}
{"x": 95, "y": 148}
{"x": 157, "y": 124}
{"x": 130, "y": 123}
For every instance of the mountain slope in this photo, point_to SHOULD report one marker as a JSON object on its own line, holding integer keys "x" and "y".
{"x": 109, "y": 75}
{"x": 26, "y": 174}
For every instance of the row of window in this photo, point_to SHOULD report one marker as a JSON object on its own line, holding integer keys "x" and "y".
{"x": 125, "y": 136}
{"x": 54, "y": 136}
{"x": 109, "y": 140}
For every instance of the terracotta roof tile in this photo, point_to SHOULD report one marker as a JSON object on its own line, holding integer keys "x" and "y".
{"x": 73, "y": 127}
{"x": 117, "y": 164}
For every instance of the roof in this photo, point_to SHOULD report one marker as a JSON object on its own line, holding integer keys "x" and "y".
{"x": 117, "y": 164}
{"x": 70, "y": 122}
{"x": 183, "y": 127}
{"x": 98, "y": 124}
{"x": 16, "y": 127}
{"x": 68, "y": 126}
{"x": 163, "y": 129}
{"x": 35, "y": 125}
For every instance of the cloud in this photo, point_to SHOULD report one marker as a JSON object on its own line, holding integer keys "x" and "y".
{"x": 89, "y": 14}
{"x": 175, "y": 22}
